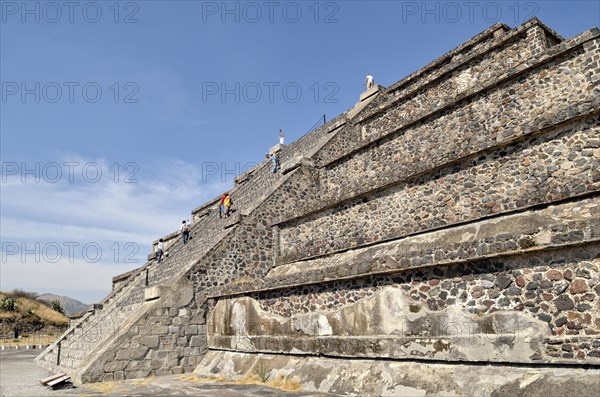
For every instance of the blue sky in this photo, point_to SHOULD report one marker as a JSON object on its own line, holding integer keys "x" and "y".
{"x": 118, "y": 118}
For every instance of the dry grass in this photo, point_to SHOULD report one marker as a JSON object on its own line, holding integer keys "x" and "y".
{"x": 42, "y": 311}
{"x": 248, "y": 380}
{"x": 31, "y": 315}
{"x": 285, "y": 383}
{"x": 280, "y": 383}
{"x": 27, "y": 307}
{"x": 199, "y": 379}
{"x": 144, "y": 381}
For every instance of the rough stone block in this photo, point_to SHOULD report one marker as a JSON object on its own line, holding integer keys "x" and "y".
{"x": 150, "y": 341}
{"x": 163, "y": 372}
{"x": 139, "y": 353}
{"x": 197, "y": 340}
{"x": 191, "y": 330}
{"x": 114, "y": 366}
{"x": 137, "y": 374}
{"x": 145, "y": 365}
{"x": 198, "y": 319}
{"x": 152, "y": 293}
{"x": 146, "y": 329}
{"x": 160, "y": 330}
{"x": 132, "y": 365}
{"x": 123, "y": 354}
{"x": 156, "y": 364}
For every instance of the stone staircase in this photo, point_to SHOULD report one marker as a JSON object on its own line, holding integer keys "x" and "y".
{"x": 104, "y": 322}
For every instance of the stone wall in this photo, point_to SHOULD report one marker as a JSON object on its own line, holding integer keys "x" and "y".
{"x": 94, "y": 328}
{"x": 432, "y": 145}
{"x": 455, "y": 288}
{"x": 515, "y": 109}
{"x": 486, "y": 125}
{"x": 562, "y": 163}
{"x": 457, "y": 218}
{"x": 494, "y": 310}
{"x": 165, "y": 336}
{"x": 552, "y": 227}
{"x": 446, "y": 75}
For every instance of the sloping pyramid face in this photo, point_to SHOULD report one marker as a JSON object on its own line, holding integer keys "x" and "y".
{"x": 454, "y": 216}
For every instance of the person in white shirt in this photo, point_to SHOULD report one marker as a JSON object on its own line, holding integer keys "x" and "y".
{"x": 160, "y": 249}
{"x": 369, "y": 81}
{"x": 185, "y": 232}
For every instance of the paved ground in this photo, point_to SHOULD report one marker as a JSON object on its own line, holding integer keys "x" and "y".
{"x": 19, "y": 377}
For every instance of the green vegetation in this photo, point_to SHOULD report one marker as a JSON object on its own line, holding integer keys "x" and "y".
{"x": 56, "y": 306}
{"x": 263, "y": 371}
{"x": 9, "y": 304}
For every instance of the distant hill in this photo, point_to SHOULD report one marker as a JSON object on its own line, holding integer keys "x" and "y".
{"x": 71, "y": 306}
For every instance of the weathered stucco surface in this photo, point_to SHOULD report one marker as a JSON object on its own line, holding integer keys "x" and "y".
{"x": 368, "y": 378}
{"x": 384, "y": 325}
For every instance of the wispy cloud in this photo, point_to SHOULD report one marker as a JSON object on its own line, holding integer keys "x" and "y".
{"x": 82, "y": 280}
{"x": 47, "y": 225}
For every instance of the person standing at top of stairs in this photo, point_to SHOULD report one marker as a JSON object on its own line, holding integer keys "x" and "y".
{"x": 369, "y": 81}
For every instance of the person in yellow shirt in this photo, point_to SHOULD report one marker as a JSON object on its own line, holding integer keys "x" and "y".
{"x": 227, "y": 203}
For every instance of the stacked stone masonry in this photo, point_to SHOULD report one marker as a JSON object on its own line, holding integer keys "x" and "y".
{"x": 558, "y": 288}
{"x": 542, "y": 169}
{"x": 466, "y": 273}
{"x": 505, "y": 113}
{"x": 455, "y": 216}
{"x": 553, "y": 227}
{"x": 494, "y": 117}
{"x": 548, "y": 155}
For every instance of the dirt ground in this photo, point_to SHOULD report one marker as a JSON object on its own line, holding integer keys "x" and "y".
{"x": 19, "y": 377}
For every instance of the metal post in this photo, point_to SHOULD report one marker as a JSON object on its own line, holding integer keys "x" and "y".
{"x": 58, "y": 355}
